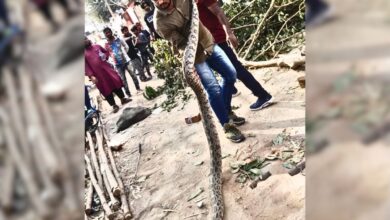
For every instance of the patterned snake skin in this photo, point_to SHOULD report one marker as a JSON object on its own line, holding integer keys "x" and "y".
{"x": 208, "y": 124}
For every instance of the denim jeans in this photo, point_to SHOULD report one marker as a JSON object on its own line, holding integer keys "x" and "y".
{"x": 243, "y": 74}
{"x": 122, "y": 73}
{"x": 220, "y": 96}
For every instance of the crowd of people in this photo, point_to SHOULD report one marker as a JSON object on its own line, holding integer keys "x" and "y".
{"x": 107, "y": 66}
{"x": 170, "y": 20}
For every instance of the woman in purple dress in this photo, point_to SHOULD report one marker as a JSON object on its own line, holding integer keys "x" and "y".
{"x": 102, "y": 74}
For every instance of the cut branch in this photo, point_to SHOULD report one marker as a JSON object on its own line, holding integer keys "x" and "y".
{"x": 254, "y": 36}
{"x": 98, "y": 190}
{"x": 125, "y": 205}
{"x": 104, "y": 165}
{"x": 23, "y": 168}
{"x": 89, "y": 198}
{"x": 94, "y": 160}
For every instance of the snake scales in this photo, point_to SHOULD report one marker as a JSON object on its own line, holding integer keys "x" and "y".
{"x": 209, "y": 127}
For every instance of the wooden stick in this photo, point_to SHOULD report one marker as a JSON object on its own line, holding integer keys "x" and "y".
{"x": 88, "y": 204}
{"x": 47, "y": 157}
{"x": 7, "y": 180}
{"x": 292, "y": 63}
{"x": 50, "y": 194}
{"x": 71, "y": 201}
{"x": 98, "y": 190}
{"x": 114, "y": 203}
{"x": 23, "y": 168}
{"x": 301, "y": 166}
{"x": 258, "y": 29}
{"x": 94, "y": 160}
{"x": 16, "y": 114}
{"x": 190, "y": 216}
{"x": 259, "y": 178}
{"x": 116, "y": 147}
{"x": 125, "y": 204}
{"x": 104, "y": 165}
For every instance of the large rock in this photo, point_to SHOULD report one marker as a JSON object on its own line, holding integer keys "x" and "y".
{"x": 131, "y": 116}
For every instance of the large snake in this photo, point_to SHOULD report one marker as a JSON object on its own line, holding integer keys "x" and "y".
{"x": 208, "y": 124}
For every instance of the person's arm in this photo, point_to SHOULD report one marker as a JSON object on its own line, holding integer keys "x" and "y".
{"x": 217, "y": 11}
{"x": 124, "y": 44}
{"x": 106, "y": 52}
{"x": 89, "y": 72}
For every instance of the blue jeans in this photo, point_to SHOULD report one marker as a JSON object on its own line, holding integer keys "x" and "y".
{"x": 220, "y": 96}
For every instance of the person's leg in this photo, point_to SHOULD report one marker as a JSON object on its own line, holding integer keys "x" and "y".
{"x": 243, "y": 74}
{"x": 216, "y": 101}
{"x": 145, "y": 61}
{"x": 4, "y": 13}
{"x": 219, "y": 62}
{"x": 316, "y": 5}
{"x": 121, "y": 95}
{"x": 122, "y": 73}
{"x": 138, "y": 68}
{"x": 130, "y": 69}
{"x": 214, "y": 92}
{"x": 110, "y": 99}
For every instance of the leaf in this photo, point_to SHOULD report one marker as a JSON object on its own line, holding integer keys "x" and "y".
{"x": 196, "y": 194}
{"x": 198, "y": 163}
{"x": 255, "y": 171}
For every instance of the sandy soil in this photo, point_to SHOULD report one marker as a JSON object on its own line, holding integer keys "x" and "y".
{"x": 348, "y": 180}
{"x": 171, "y": 148}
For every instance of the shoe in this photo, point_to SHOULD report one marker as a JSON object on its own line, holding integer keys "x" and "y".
{"x": 115, "y": 109}
{"x": 236, "y": 120}
{"x": 261, "y": 103}
{"x": 318, "y": 17}
{"x": 125, "y": 100}
{"x": 232, "y": 133}
{"x": 236, "y": 94}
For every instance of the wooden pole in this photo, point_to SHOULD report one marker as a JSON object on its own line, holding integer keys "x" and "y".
{"x": 23, "y": 168}
{"x": 125, "y": 204}
{"x": 94, "y": 160}
{"x": 104, "y": 165}
{"x": 8, "y": 180}
{"x": 47, "y": 157}
{"x": 88, "y": 203}
{"x": 98, "y": 190}
{"x": 114, "y": 203}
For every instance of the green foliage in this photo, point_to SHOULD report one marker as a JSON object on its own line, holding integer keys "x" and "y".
{"x": 282, "y": 30}
{"x": 169, "y": 67}
{"x": 150, "y": 93}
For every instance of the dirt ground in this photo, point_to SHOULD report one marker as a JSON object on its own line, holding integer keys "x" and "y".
{"x": 348, "y": 180}
{"x": 167, "y": 175}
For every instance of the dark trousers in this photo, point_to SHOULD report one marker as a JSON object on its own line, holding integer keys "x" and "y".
{"x": 110, "y": 98}
{"x": 243, "y": 74}
{"x": 316, "y": 5}
{"x": 4, "y": 12}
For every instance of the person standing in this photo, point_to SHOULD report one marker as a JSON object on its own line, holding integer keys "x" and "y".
{"x": 135, "y": 60}
{"x": 172, "y": 22}
{"x": 142, "y": 42}
{"x": 212, "y": 16}
{"x": 148, "y": 18}
{"x": 102, "y": 74}
{"x": 117, "y": 49}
